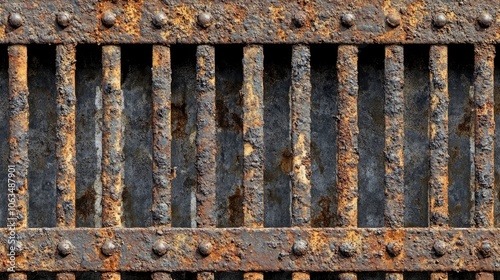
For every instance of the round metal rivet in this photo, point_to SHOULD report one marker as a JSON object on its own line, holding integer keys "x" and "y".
{"x": 204, "y": 20}
{"x": 485, "y": 249}
{"x": 348, "y": 20}
{"x": 300, "y": 247}
{"x": 347, "y": 250}
{"x": 159, "y": 20}
{"x": 299, "y": 19}
{"x": 64, "y": 19}
{"x": 16, "y": 20}
{"x": 393, "y": 249}
{"x": 64, "y": 248}
{"x": 205, "y": 248}
{"x": 109, "y": 19}
{"x": 485, "y": 20}
{"x": 18, "y": 247}
{"x": 439, "y": 248}
{"x": 160, "y": 247}
{"x": 108, "y": 248}
{"x": 393, "y": 19}
{"x": 440, "y": 20}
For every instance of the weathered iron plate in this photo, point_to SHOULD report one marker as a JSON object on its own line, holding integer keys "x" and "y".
{"x": 270, "y": 249}
{"x": 268, "y": 21}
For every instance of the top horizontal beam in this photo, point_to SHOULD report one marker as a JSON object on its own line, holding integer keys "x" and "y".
{"x": 263, "y": 21}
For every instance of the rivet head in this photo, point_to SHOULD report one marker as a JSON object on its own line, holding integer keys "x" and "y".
{"x": 63, "y": 19}
{"x": 485, "y": 20}
{"x": 16, "y": 20}
{"x": 393, "y": 249}
{"x": 160, "y": 247}
{"x": 108, "y": 248}
{"x": 108, "y": 19}
{"x": 299, "y": 19}
{"x": 440, "y": 20}
{"x": 300, "y": 247}
{"x": 204, "y": 20}
{"x": 205, "y": 248}
{"x": 159, "y": 20}
{"x": 18, "y": 247}
{"x": 485, "y": 249}
{"x": 347, "y": 250}
{"x": 393, "y": 19}
{"x": 348, "y": 20}
{"x": 64, "y": 248}
{"x": 439, "y": 248}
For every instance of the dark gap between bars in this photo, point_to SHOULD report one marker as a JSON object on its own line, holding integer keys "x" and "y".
{"x": 371, "y": 136}
{"x": 229, "y": 117}
{"x": 88, "y": 135}
{"x": 416, "y": 153}
{"x": 461, "y": 121}
{"x": 42, "y": 136}
{"x": 277, "y": 143}
{"x": 183, "y": 118}
{"x": 323, "y": 134}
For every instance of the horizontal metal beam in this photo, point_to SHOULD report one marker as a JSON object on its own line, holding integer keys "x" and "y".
{"x": 240, "y": 21}
{"x": 245, "y": 249}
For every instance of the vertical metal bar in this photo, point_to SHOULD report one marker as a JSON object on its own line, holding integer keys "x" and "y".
{"x": 438, "y": 126}
{"x": 66, "y": 140}
{"x": 347, "y": 140}
{"x": 438, "y": 137}
{"x": 253, "y": 141}
{"x": 394, "y": 141}
{"x": 112, "y": 143}
{"x": 439, "y": 276}
{"x": 65, "y": 147}
{"x": 19, "y": 133}
{"x": 65, "y": 276}
{"x": 394, "y": 137}
{"x": 206, "y": 145}
{"x": 18, "y": 276}
{"x": 162, "y": 141}
{"x": 162, "y": 136}
{"x": 19, "y": 126}
{"x": 300, "y": 96}
{"x": 253, "y": 136}
{"x": 206, "y": 142}
{"x": 205, "y": 276}
{"x": 484, "y": 127}
{"x": 485, "y": 276}
{"x": 253, "y": 276}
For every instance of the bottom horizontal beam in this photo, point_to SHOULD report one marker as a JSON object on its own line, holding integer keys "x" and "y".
{"x": 244, "y": 249}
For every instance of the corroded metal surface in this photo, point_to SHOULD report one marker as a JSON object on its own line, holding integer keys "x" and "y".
{"x": 162, "y": 136}
{"x": 112, "y": 137}
{"x": 394, "y": 136}
{"x": 242, "y": 249}
{"x": 394, "y": 145}
{"x": 438, "y": 134}
{"x": 318, "y": 21}
{"x": 300, "y": 95}
{"x": 18, "y": 128}
{"x": 66, "y": 149}
{"x": 347, "y": 141}
{"x": 206, "y": 147}
{"x": 484, "y": 126}
{"x": 253, "y": 136}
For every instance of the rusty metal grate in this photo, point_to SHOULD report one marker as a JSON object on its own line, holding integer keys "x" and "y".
{"x": 315, "y": 229}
